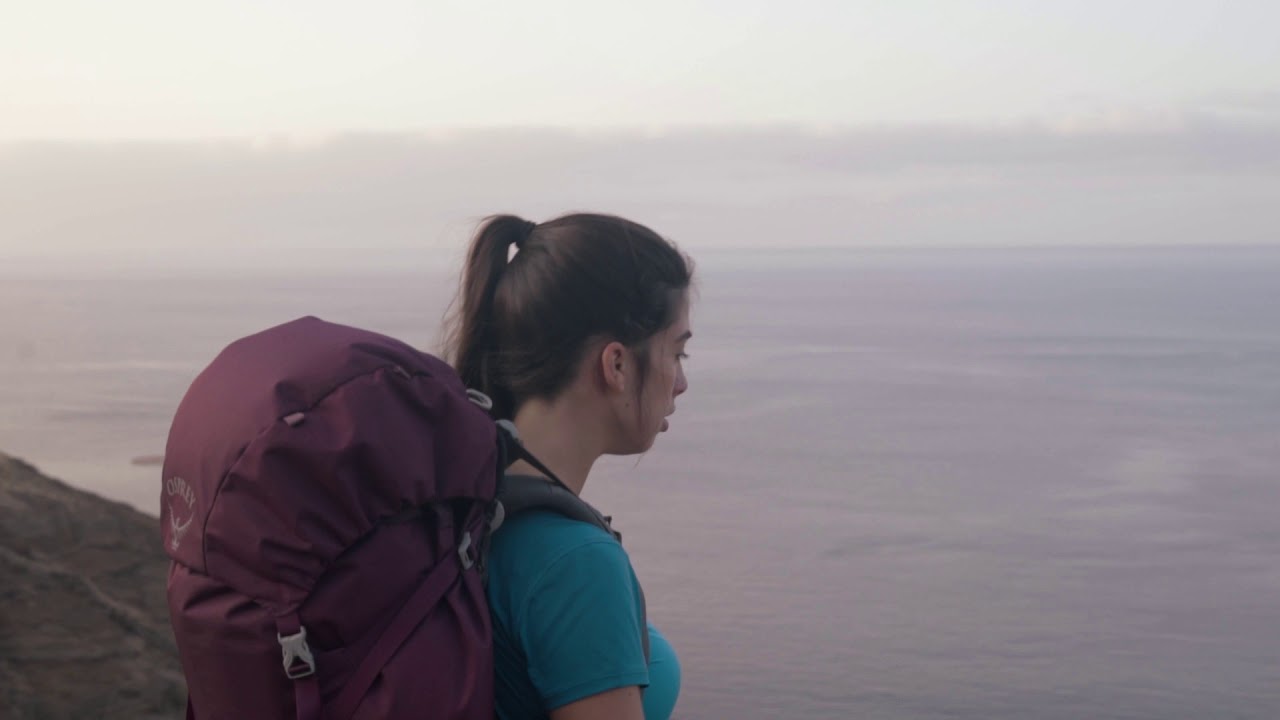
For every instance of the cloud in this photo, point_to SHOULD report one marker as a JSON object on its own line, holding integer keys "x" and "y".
{"x": 373, "y": 197}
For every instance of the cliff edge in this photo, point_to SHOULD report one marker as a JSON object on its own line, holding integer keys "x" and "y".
{"x": 84, "y": 629}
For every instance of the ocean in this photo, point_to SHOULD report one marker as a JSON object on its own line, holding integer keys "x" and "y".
{"x": 1035, "y": 484}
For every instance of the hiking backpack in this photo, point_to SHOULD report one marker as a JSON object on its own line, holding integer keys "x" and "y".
{"x": 328, "y": 496}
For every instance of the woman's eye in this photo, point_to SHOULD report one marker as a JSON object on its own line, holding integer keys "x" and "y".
{"x": 682, "y": 356}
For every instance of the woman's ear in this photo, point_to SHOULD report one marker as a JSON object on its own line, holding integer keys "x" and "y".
{"x": 615, "y": 368}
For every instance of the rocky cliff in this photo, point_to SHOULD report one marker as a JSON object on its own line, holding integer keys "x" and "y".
{"x": 84, "y": 629}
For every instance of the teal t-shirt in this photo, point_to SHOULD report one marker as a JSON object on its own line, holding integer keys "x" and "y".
{"x": 566, "y": 620}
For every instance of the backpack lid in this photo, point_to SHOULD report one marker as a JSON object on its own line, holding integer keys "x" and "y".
{"x": 297, "y": 440}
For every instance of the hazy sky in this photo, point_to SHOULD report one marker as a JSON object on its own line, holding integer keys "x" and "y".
{"x": 148, "y": 69}
{"x": 142, "y": 132}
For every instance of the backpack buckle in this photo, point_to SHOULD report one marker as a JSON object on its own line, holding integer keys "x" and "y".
{"x": 464, "y": 552}
{"x": 480, "y": 399}
{"x": 298, "y": 661}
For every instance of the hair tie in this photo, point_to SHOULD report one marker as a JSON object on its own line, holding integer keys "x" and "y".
{"x": 526, "y": 229}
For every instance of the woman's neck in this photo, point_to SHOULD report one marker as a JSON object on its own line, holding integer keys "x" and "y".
{"x": 560, "y": 435}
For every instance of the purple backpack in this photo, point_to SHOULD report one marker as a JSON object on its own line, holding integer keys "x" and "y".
{"x": 328, "y": 494}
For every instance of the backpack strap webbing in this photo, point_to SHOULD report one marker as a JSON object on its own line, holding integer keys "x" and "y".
{"x": 299, "y": 667}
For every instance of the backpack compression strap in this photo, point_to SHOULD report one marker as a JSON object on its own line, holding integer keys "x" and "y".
{"x": 428, "y": 593}
{"x": 299, "y": 666}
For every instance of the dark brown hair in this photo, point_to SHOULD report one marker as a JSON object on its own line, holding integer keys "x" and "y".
{"x": 520, "y": 327}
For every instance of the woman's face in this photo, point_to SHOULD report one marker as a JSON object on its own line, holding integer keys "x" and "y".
{"x": 665, "y": 380}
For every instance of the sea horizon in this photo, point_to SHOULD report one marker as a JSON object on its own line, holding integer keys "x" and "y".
{"x": 1032, "y": 483}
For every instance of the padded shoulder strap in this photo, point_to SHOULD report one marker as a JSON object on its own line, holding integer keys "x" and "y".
{"x": 521, "y": 493}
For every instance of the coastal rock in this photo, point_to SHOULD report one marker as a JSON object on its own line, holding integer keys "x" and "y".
{"x": 84, "y": 628}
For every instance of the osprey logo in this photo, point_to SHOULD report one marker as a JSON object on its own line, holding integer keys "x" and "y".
{"x": 182, "y": 504}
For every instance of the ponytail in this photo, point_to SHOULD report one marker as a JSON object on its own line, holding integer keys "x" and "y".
{"x": 519, "y": 329}
{"x": 472, "y": 345}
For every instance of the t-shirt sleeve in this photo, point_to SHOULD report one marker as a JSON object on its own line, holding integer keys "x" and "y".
{"x": 580, "y": 627}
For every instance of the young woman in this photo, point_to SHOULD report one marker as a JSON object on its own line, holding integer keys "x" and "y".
{"x": 576, "y": 328}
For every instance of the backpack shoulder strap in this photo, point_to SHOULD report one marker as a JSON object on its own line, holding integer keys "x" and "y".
{"x": 521, "y": 493}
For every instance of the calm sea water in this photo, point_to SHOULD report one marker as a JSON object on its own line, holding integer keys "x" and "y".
{"x": 968, "y": 484}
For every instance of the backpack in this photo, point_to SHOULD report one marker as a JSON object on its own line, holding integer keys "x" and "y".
{"x": 327, "y": 499}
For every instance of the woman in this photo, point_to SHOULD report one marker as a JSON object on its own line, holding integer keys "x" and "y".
{"x": 578, "y": 335}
